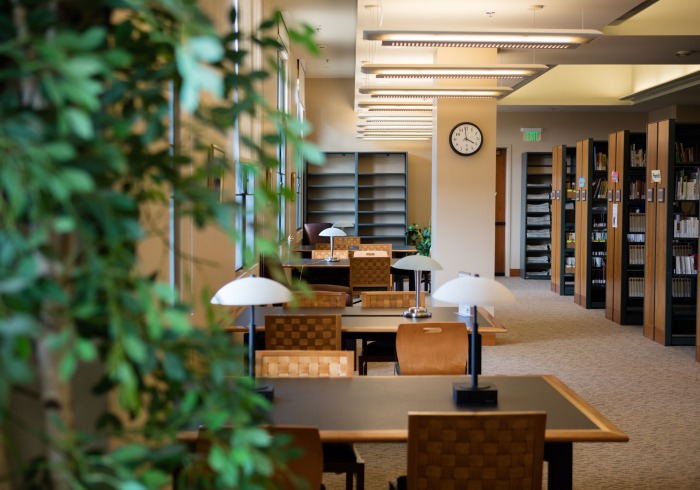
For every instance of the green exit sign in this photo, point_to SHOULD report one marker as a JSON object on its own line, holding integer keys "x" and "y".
{"x": 531, "y": 134}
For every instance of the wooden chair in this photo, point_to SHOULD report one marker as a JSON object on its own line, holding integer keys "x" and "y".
{"x": 324, "y": 254}
{"x": 302, "y": 332}
{"x": 432, "y": 348}
{"x": 370, "y": 273}
{"x": 304, "y": 364}
{"x": 345, "y": 242}
{"x": 317, "y": 299}
{"x": 338, "y": 457}
{"x": 303, "y": 469}
{"x": 310, "y": 233}
{"x": 475, "y": 450}
{"x": 386, "y": 247}
{"x": 383, "y": 350}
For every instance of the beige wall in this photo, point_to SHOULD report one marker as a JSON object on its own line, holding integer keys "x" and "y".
{"x": 329, "y": 107}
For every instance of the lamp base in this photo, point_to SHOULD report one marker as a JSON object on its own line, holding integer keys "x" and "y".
{"x": 417, "y": 312}
{"x": 332, "y": 259}
{"x": 468, "y": 395}
{"x": 266, "y": 389}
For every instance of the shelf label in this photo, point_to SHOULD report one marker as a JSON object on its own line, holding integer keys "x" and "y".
{"x": 582, "y": 181}
{"x": 615, "y": 176}
{"x": 656, "y": 176}
{"x": 614, "y": 215}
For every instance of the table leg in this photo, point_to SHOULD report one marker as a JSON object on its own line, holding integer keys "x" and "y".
{"x": 560, "y": 456}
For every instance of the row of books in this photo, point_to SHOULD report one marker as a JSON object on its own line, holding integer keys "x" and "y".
{"x": 598, "y": 277}
{"x": 538, "y": 233}
{"x": 638, "y": 157}
{"x": 686, "y": 153}
{"x": 636, "y": 254}
{"x": 682, "y": 287}
{"x": 538, "y": 259}
{"x": 538, "y": 247}
{"x": 600, "y": 160}
{"x": 685, "y": 227}
{"x": 635, "y": 286}
{"x": 599, "y": 236}
{"x": 539, "y": 220}
{"x": 636, "y": 237}
{"x": 685, "y": 264}
{"x": 538, "y": 208}
{"x": 638, "y": 223}
{"x": 687, "y": 185}
{"x": 598, "y": 262}
{"x": 638, "y": 189}
{"x": 599, "y": 188}
{"x": 540, "y": 196}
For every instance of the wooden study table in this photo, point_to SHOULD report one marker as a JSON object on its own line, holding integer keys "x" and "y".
{"x": 375, "y": 409}
{"x": 396, "y": 250}
{"x": 373, "y": 323}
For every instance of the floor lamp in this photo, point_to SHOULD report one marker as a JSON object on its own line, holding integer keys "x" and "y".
{"x": 481, "y": 291}
{"x": 418, "y": 264}
{"x": 332, "y": 232}
{"x": 252, "y": 291}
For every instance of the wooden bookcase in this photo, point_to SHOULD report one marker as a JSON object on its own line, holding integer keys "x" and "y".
{"x": 591, "y": 223}
{"x": 366, "y": 188}
{"x": 563, "y": 216}
{"x": 535, "y": 256}
{"x": 624, "y": 292}
{"x": 671, "y": 280}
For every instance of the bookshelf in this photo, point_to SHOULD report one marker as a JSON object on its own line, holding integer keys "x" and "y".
{"x": 671, "y": 281}
{"x": 624, "y": 301}
{"x": 535, "y": 257}
{"x": 563, "y": 219}
{"x": 591, "y": 223}
{"x": 365, "y": 188}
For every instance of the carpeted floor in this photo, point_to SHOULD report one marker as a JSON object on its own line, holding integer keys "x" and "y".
{"x": 650, "y": 392}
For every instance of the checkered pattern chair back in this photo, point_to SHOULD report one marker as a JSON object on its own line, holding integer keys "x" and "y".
{"x": 317, "y": 299}
{"x": 304, "y": 364}
{"x": 386, "y": 247}
{"x": 475, "y": 450}
{"x": 390, "y": 299}
{"x": 324, "y": 254}
{"x": 302, "y": 332}
{"x": 370, "y": 272}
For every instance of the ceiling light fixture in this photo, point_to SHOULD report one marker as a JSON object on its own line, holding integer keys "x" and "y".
{"x": 373, "y": 105}
{"x": 426, "y": 92}
{"x": 452, "y": 71}
{"x": 485, "y": 38}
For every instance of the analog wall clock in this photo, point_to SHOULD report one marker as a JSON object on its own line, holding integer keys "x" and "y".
{"x": 466, "y": 138}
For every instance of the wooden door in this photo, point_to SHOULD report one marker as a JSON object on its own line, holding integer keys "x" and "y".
{"x": 500, "y": 244}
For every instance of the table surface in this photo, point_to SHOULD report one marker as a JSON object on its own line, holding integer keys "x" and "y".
{"x": 375, "y": 408}
{"x": 358, "y": 319}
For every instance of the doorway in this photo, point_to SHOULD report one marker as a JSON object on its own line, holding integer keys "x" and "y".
{"x": 500, "y": 244}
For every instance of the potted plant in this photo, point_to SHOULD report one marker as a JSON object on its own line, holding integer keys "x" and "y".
{"x": 419, "y": 237}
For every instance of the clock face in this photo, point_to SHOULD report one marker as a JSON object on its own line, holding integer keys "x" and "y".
{"x": 466, "y": 138}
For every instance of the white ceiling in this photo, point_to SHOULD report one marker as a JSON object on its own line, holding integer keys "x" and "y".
{"x": 637, "y": 54}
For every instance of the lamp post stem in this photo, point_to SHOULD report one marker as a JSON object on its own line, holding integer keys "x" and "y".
{"x": 416, "y": 276}
{"x": 332, "y": 246}
{"x": 251, "y": 343}
{"x": 472, "y": 354}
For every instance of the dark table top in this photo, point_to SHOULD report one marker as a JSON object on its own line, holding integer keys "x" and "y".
{"x": 375, "y": 408}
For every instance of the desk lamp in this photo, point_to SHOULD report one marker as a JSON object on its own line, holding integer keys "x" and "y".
{"x": 343, "y": 224}
{"x": 474, "y": 290}
{"x": 251, "y": 291}
{"x": 418, "y": 264}
{"x": 332, "y": 232}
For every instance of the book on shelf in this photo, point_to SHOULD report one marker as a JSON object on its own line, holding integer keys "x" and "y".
{"x": 637, "y": 157}
{"x": 635, "y": 287}
{"x": 600, "y": 160}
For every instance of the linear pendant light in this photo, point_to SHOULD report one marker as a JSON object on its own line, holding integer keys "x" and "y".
{"x": 412, "y": 106}
{"x": 452, "y": 71}
{"x": 486, "y": 38}
{"x": 435, "y": 92}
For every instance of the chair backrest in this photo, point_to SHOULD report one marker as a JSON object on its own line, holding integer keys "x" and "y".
{"x": 369, "y": 253}
{"x": 390, "y": 299}
{"x": 302, "y": 332}
{"x": 304, "y": 364}
{"x": 324, "y": 254}
{"x": 432, "y": 348}
{"x": 370, "y": 272}
{"x": 335, "y": 288}
{"x": 317, "y": 299}
{"x": 302, "y": 469}
{"x": 475, "y": 450}
{"x": 324, "y": 246}
{"x": 386, "y": 247}
{"x": 345, "y": 242}
{"x": 310, "y": 233}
